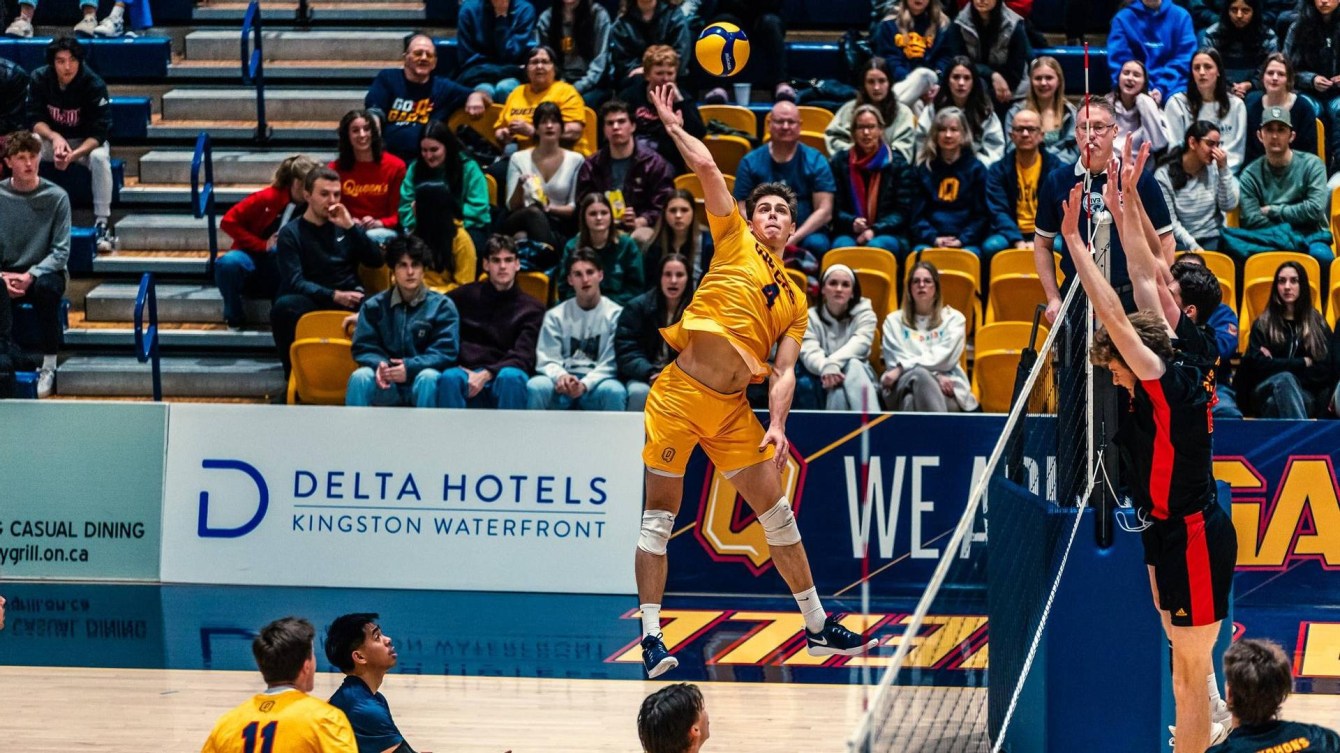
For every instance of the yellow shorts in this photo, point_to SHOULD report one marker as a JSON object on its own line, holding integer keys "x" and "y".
{"x": 682, "y": 412}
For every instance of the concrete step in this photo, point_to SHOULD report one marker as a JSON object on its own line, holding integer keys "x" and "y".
{"x": 292, "y": 45}
{"x": 299, "y": 132}
{"x": 123, "y": 376}
{"x": 230, "y": 166}
{"x": 137, "y": 263}
{"x": 115, "y": 302}
{"x": 282, "y": 13}
{"x": 283, "y": 71}
{"x": 163, "y": 232}
{"x": 220, "y": 339}
{"x": 192, "y": 103}
{"x": 179, "y": 195}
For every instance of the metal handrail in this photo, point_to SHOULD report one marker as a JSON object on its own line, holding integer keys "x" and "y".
{"x": 253, "y": 64}
{"x": 146, "y": 339}
{"x": 202, "y": 195}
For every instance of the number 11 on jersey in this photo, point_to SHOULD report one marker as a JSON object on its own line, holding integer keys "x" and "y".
{"x": 267, "y": 736}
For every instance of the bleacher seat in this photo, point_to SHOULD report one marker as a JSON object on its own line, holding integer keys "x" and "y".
{"x": 1333, "y": 297}
{"x": 492, "y": 184}
{"x": 482, "y": 125}
{"x": 536, "y": 285}
{"x": 115, "y": 60}
{"x": 739, "y": 118}
{"x": 1013, "y": 290}
{"x": 727, "y": 151}
{"x": 590, "y": 134}
{"x": 1224, "y": 268}
{"x": 130, "y": 119}
{"x": 321, "y": 370}
{"x": 996, "y": 352}
{"x": 82, "y": 251}
{"x": 327, "y": 324}
{"x": 867, "y": 257}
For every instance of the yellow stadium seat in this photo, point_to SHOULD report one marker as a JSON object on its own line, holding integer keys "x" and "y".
{"x": 816, "y": 140}
{"x": 374, "y": 279}
{"x": 734, "y": 116}
{"x": 535, "y": 285}
{"x": 878, "y": 287}
{"x": 1335, "y": 217}
{"x": 949, "y": 258}
{"x": 865, "y": 257}
{"x": 483, "y": 125}
{"x": 1006, "y": 336}
{"x": 959, "y": 290}
{"x": 321, "y": 369}
{"x": 727, "y": 151}
{"x": 1224, "y": 268}
{"x": 1014, "y": 298}
{"x": 996, "y": 351}
{"x": 492, "y": 183}
{"x": 586, "y": 146}
{"x": 328, "y": 324}
{"x": 1333, "y": 298}
{"x": 799, "y": 279}
{"x": 1258, "y": 277}
{"x": 1321, "y": 141}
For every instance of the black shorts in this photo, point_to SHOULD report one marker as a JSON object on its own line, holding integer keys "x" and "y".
{"x": 1193, "y": 559}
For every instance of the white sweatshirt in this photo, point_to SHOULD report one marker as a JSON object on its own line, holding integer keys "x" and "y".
{"x": 938, "y": 350}
{"x": 829, "y": 345}
{"x": 579, "y": 342}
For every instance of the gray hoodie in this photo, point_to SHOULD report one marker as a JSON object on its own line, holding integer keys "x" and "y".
{"x": 34, "y": 228}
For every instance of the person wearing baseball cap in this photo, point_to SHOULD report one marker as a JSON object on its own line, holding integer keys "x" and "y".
{"x": 1283, "y": 200}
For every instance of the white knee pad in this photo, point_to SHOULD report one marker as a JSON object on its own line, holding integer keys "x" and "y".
{"x": 779, "y": 525}
{"x": 656, "y": 525}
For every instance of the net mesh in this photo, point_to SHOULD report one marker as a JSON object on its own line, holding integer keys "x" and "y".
{"x": 936, "y": 694}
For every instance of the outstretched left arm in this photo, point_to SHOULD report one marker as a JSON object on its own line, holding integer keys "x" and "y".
{"x": 781, "y": 388}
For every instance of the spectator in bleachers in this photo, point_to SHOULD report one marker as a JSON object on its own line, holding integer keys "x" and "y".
{"x": 441, "y": 159}
{"x": 922, "y": 349}
{"x": 1277, "y": 77}
{"x": 762, "y": 22}
{"x": 641, "y": 24}
{"x": 356, "y": 645}
{"x": 14, "y": 83}
{"x": 673, "y": 718}
{"x": 1244, "y": 40}
{"x": 493, "y": 41}
{"x": 1208, "y": 99}
{"x": 1198, "y": 187}
{"x": 678, "y": 232}
{"x": 994, "y": 38}
{"x": 1159, "y": 34}
{"x": 1140, "y": 120}
{"x": 89, "y": 26}
{"x": 874, "y": 86}
{"x": 639, "y": 347}
{"x": 620, "y": 257}
{"x": 875, "y": 189}
{"x": 574, "y": 358}
{"x": 34, "y": 248}
{"x": 515, "y": 127}
{"x": 1012, "y": 185}
{"x": 912, "y": 40}
{"x": 1283, "y": 198}
{"x": 250, "y": 268}
{"x": 1285, "y": 371}
{"x": 949, "y": 208}
{"x": 451, "y": 259}
{"x": 541, "y": 190}
{"x": 407, "y": 335}
{"x": 835, "y": 371}
{"x": 318, "y": 256}
{"x": 631, "y": 174}
{"x": 370, "y": 176}
{"x": 581, "y": 39}
{"x": 660, "y": 67}
{"x": 1221, "y": 321}
{"x": 783, "y": 159}
{"x": 405, "y": 100}
{"x": 960, "y": 88}
{"x": 1046, "y": 96}
{"x": 1311, "y": 48}
{"x": 499, "y": 328}
{"x": 1259, "y": 677}
{"x": 71, "y": 112}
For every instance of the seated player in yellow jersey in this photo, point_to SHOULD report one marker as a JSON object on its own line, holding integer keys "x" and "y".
{"x": 284, "y": 719}
{"x": 744, "y": 306}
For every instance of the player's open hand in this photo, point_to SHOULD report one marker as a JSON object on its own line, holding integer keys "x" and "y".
{"x": 777, "y": 438}
{"x": 663, "y": 99}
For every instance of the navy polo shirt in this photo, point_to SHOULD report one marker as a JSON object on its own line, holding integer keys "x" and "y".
{"x": 1055, "y": 189}
{"x": 369, "y": 715}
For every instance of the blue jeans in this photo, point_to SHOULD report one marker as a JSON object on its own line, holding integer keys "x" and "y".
{"x": 1227, "y": 405}
{"x": 1281, "y": 396}
{"x": 498, "y": 91}
{"x": 918, "y": 248}
{"x": 420, "y": 393}
{"x": 238, "y": 274}
{"x": 810, "y": 391}
{"x": 608, "y": 395}
{"x": 507, "y": 390}
{"x": 817, "y": 244}
{"x": 993, "y": 245}
{"x": 890, "y": 243}
{"x": 1330, "y": 115}
{"x": 637, "y": 395}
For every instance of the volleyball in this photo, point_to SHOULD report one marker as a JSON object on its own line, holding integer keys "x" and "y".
{"x": 722, "y": 49}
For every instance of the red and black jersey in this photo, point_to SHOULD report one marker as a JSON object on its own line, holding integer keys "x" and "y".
{"x": 1165, "y": 441}
{"x": 1279, "y": 736}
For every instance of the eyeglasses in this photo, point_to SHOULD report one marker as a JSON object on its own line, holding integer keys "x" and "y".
{"x": 540, "y": 61}
{"x": 1025, "y": 129}
{"x": 423, "y": 54}
{"x": 1098, "y": 129}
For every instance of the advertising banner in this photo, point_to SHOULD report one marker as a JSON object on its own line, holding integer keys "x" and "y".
{"x": 386, "y": 498}
{"x": 81, "y": 486}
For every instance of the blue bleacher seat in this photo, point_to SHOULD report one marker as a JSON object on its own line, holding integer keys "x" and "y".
{"x": 82, "y": 251}
{"x": 127, "y": 59}
{"x": 130, "y": 119}
{"x": 25, "y": 385}
{"x": 25, "y": 323}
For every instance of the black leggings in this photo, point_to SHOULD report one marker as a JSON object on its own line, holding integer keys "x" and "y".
{"x": 534, "y": 222}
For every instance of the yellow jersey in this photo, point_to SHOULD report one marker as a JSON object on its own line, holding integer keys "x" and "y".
{"x": 287, "y": 722}
{"x": 746, "y": 297}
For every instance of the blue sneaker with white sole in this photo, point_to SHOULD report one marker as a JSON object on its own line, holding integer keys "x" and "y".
{"x": 656, "y": 659}
{"x": 836, "y": 640}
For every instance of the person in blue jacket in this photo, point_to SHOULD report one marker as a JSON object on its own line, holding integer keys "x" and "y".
{"x": 493, "y": 38}
{"x": 1158, "y": 34}
{"x": 949, "y": 208}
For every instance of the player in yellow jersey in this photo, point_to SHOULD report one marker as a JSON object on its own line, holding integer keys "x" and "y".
{"x": 284, "y": 719}
{"x": 744, "y": 306}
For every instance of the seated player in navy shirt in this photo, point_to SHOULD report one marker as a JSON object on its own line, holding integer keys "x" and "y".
{"x": 356, "y": 645}
{"x": 1259, "y": 679}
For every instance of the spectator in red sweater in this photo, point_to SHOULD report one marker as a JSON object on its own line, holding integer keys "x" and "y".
{"x": 253, "y": 224}
{"x": 370, "y": 176}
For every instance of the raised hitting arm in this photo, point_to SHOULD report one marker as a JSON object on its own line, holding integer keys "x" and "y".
{"x": 1106, "y": 304}
{"x": 717, "y": 197}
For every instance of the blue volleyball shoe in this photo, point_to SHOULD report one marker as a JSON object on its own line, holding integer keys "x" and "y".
{"x": 835, "y": 640}
{"x": 656, "y": 659}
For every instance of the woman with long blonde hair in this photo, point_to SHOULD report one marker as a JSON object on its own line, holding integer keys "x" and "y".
{"x": 1046, "y": 96}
